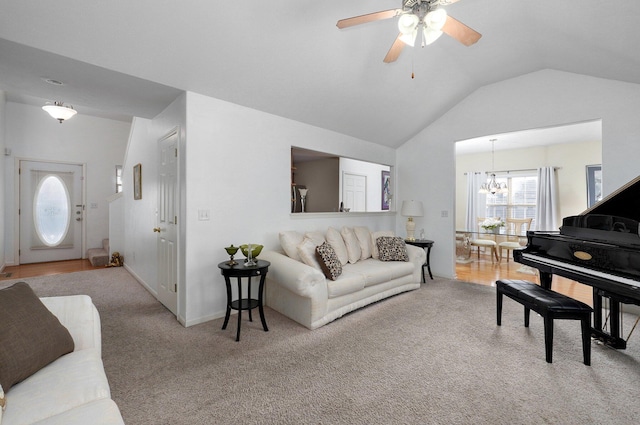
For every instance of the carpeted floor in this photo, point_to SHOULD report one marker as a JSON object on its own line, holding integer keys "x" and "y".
{"x": 431, "y": 356}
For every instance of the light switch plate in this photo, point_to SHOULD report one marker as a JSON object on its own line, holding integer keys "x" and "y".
{"x": 203, "y": 215}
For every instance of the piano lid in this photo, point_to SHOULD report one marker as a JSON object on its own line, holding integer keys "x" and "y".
{"x": 624, "y": 202}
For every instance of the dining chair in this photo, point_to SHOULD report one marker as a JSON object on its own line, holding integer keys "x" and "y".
{"x": 516, "y": 232}
{"x": 485, "y": 240}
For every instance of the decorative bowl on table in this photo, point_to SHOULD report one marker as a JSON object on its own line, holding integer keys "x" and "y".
{"x": 231, "y": 250}
{"x": 255, "y": 250}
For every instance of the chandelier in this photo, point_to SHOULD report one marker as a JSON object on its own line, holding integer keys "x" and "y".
{"x": 59, "y": 111}
{"x": 492, "y": 186}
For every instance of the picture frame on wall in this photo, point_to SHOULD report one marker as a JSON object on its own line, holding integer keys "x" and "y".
{"x": 137, "y": 181}
{"x": 386, "y": 190}
{"x": 594, "y": 184}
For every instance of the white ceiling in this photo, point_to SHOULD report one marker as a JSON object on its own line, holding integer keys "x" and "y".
{"x": 286, "y": 57}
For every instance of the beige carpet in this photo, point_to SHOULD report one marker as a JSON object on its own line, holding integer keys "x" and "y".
{"x": 431, "y": 356}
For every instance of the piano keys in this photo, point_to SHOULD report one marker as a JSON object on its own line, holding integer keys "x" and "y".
{"x": 599, "y": 248}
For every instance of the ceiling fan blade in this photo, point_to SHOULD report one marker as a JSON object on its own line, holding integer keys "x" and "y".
{"x": 447, "y": 2}
{"x": 370, "y": 17}
{"x": 460, "y": 31}
{"x": 395, "y": 50}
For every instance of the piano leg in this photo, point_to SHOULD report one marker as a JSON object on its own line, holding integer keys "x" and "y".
{"x": 545, "y": 279}
{"x": 612, "y": 338}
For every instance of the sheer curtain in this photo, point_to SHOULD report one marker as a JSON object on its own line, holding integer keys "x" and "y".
{"x": 547, "y": 200}
{"x": 476, "y": 202}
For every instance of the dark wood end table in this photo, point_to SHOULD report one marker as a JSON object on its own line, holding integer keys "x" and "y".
{"x": 426, "y": 244}
{"x": 239, "y": 271}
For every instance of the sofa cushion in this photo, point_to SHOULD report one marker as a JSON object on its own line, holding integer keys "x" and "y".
{"x": 392, "y": 249}
{"x": 329, "y": 261}
{"x": 72, "y": 380}
{"x": 347, "y": 283}
{"x": 351, "y": 241}
{"x": 307, "y": 253}
{"x": 374, "y": 244}
{"x": 31, "y": 336}
{"x": 375, "y": 272}
{"x": 364, "y": 239}
{"x": 334, "y": 238}
{"x": 289, "y": 241}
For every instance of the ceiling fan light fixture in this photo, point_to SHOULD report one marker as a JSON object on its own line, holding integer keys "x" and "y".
{"x": 410, "y": 38}
{"x": 408, "y": 23}
{"x": 431, "y": 35}
{"x": 59, "y": 111}
{"x": 435, "y": 19}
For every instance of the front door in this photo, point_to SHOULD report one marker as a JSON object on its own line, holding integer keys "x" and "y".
{"x": 51, "y": 212}
{"x": 167, "y": 227}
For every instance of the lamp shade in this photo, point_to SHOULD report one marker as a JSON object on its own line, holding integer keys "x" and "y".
{"x": 412, "y": 209}
{"x": 59, "y": 111}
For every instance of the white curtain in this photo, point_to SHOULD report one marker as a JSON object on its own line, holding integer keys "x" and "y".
{"x": 547, "y": 200}
{"x": 476, "y": 202}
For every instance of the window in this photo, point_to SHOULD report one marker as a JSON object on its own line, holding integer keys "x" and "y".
{"x": 520, "y": 201}
{"x": 118, "y": 178}
{"x": 51, "y": 210}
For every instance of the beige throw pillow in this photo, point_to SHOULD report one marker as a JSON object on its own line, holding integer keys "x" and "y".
{"x": 289, "y": 241}
{"x": 307, "y": 253}
{"x": 364, "y": 239}
{"x": 334, "y": 238}
{"x": 374, "y": 237}
{"x": 351, "y": 241}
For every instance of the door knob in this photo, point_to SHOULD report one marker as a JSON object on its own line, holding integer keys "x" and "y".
{"x": 156, "y": 229}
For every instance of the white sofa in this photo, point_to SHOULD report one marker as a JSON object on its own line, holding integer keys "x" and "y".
{"x": 302, "y": 292}
{"x": 74, "y": 388}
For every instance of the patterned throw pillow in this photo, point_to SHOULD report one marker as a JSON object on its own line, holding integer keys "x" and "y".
{"x": 392, "y": 249}
{"x": 329, "y": 262}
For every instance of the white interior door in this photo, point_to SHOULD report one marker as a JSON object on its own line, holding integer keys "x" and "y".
{"x": 354, "y": 192}
{"x": 167, "y": 228}
{"x": 51, "y": 212}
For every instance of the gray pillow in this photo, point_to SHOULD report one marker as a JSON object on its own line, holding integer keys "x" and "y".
{"x": 31, "y": 336}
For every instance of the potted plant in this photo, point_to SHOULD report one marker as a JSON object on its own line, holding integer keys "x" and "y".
{"x": 492, "y": 225}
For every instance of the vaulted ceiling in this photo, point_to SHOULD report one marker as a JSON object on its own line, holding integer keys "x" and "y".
{"x": 286, "y": 57}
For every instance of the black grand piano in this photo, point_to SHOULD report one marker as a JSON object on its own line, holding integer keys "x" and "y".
{"x": 599, "y": 248}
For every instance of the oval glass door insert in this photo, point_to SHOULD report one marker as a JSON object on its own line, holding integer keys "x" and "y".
{"x": 51, "y": 210}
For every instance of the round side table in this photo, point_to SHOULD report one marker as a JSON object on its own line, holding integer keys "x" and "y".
{"x": 239, "y": 271}
{"x": 426, "y": 244}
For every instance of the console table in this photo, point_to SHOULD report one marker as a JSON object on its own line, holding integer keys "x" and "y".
{"x": 426, "y": 244}
{"x": 239, "y": 271}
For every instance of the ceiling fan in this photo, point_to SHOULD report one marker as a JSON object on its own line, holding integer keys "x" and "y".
{"x": 413, "y": 16}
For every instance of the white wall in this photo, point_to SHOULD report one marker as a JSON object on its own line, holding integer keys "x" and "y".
{"x": 99, "y": 143}
{"x": 239, "y": 168}
{"x": 141, "y": 251}
{"x": 570, "y": 160}
{"x": 3, "y": 203}
{"x": 540, "y": 99}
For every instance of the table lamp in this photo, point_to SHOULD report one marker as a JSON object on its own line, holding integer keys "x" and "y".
{"x": 411, "y": 209}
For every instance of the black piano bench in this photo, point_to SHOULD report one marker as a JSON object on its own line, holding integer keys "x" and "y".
{"x": 550, "y": 305}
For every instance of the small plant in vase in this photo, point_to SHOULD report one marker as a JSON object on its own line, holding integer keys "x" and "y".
{"x": 492, "y": 225}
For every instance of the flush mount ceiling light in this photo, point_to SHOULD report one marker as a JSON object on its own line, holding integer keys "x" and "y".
{"x": 418, "y": 16}
{"x": 59, "y": 111}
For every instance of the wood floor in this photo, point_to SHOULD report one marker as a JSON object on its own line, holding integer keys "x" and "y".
{"x": 484, "y": 272}
{"x": 481, "y": 271}
{"x": 45, "y": 269}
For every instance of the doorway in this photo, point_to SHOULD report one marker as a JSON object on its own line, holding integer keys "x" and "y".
{"x": 51, "y": 211}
